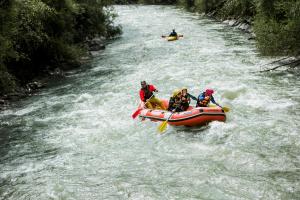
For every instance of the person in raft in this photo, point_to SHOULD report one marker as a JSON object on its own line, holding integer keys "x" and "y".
{"x": 173, "y": 33}
{"x": 186, "y": 99}
{"x": 175, "y": 104}
{"x": 205, "y": 98}
{"x": 147, "y": 96}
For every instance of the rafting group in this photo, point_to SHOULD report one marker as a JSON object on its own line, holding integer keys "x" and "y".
{"x": 177, "y": 110}
{"x": 178, "y": 102}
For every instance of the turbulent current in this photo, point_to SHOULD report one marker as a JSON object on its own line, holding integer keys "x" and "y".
{"x": 76, "y": 139}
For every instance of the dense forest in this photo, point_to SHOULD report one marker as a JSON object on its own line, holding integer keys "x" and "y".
{"x": 41, "y": 35}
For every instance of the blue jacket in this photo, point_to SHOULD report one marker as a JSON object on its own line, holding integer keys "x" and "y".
{"x": 202, "y": 96}
{"x": 173, "y": 33}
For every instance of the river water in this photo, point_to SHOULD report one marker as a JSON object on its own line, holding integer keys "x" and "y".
{"x": 76, "y": 139}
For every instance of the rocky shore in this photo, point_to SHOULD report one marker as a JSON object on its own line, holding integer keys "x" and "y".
{"x": 242, "y": 24}
{"x": 93, "y": 46}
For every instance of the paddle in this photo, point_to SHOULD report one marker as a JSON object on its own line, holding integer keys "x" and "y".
{"x": 164, "y": 36}
{"x": 226, "y": 109}
{"x": 162, "y": 127}
{"x": 138, "y": 111}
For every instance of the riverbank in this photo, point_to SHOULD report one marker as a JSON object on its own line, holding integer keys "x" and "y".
{"x": 274, "y": 24}
{"x": 244, "y": 24}
{"x": 31, "y": 88}
{"x": 43, "y": 39}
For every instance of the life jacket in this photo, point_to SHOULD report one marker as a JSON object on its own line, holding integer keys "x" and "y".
{"x": 204, "y": 102}
{"x": 173, "y": 34}
{"x": 147, "y": 93}
{"x": 174, "y": 103}
{"x": 186, "y": 99}
{"x": 185, "y": 102}
{"x": 177, "y": 102}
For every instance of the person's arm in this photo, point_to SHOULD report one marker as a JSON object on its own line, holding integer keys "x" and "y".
{"x": 142, "y": 95}
{"x": 152, "y": 88}
{"x": 192, "y": 97}
{"x": 212, "y": 99}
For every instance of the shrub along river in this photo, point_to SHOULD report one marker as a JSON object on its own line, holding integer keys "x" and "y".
{"x": 76, "y": 139}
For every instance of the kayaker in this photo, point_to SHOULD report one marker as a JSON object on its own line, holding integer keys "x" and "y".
{"x": 175, "y": 101}
{"x": 205, "y": 98}
{"x": 186, "y": 99}
{"x": 173, "y": 33}
{"x": 146, "y": 92}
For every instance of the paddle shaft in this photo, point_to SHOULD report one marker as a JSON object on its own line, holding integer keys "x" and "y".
{"x": 163, "y": 125}
{"x": 137, "y": 112}
{"x": 163, "y": 36}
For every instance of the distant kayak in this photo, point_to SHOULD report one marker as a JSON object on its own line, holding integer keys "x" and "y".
{"x": 172, "y": 38}
{"x": 192, "y": 117}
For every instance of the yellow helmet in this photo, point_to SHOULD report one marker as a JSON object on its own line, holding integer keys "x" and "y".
{"x": 176, "y": 92}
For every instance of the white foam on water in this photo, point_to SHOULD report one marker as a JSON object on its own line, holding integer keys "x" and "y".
{"x": 78, "y": 140}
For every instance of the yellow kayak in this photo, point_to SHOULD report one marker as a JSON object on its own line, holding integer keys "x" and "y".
{"x": 172, "y": 38}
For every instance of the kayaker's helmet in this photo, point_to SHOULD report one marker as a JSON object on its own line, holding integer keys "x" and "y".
{"x": 173, "y": 30}
{"x": 176, "y": 92}
{"x": 209, "y": 92}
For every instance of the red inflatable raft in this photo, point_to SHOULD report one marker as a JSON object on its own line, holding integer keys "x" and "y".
{"x": 192, "y": 117}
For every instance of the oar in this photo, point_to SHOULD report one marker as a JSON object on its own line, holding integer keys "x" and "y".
{"x": 162, "y": 127}
{"x": 138, "y": 111}
{"x": 226, "y": 109}
{"x": 164, "y": 36}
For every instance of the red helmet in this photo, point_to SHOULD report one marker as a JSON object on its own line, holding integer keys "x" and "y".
{"x": 209, "y": 92}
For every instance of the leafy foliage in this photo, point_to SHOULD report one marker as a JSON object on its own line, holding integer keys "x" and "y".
{"x": 276, "y": 22}
{"x": 277, "y": 27}
{"x": 238, "y": 8}
{"x": 36, "y": 35}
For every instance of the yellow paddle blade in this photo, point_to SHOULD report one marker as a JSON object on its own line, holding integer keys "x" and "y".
{"x": 226, "y": 109}
{"x": 162, "y": 127}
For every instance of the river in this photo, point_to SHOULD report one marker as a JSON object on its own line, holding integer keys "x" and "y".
{"x": 76, "y": 139}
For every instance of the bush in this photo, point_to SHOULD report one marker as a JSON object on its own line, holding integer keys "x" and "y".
{"x": 277, "y": 27}
{"x": 276, "y": 24}
{"x": 237, "y": 9}
{"x": 36, "y": 35}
